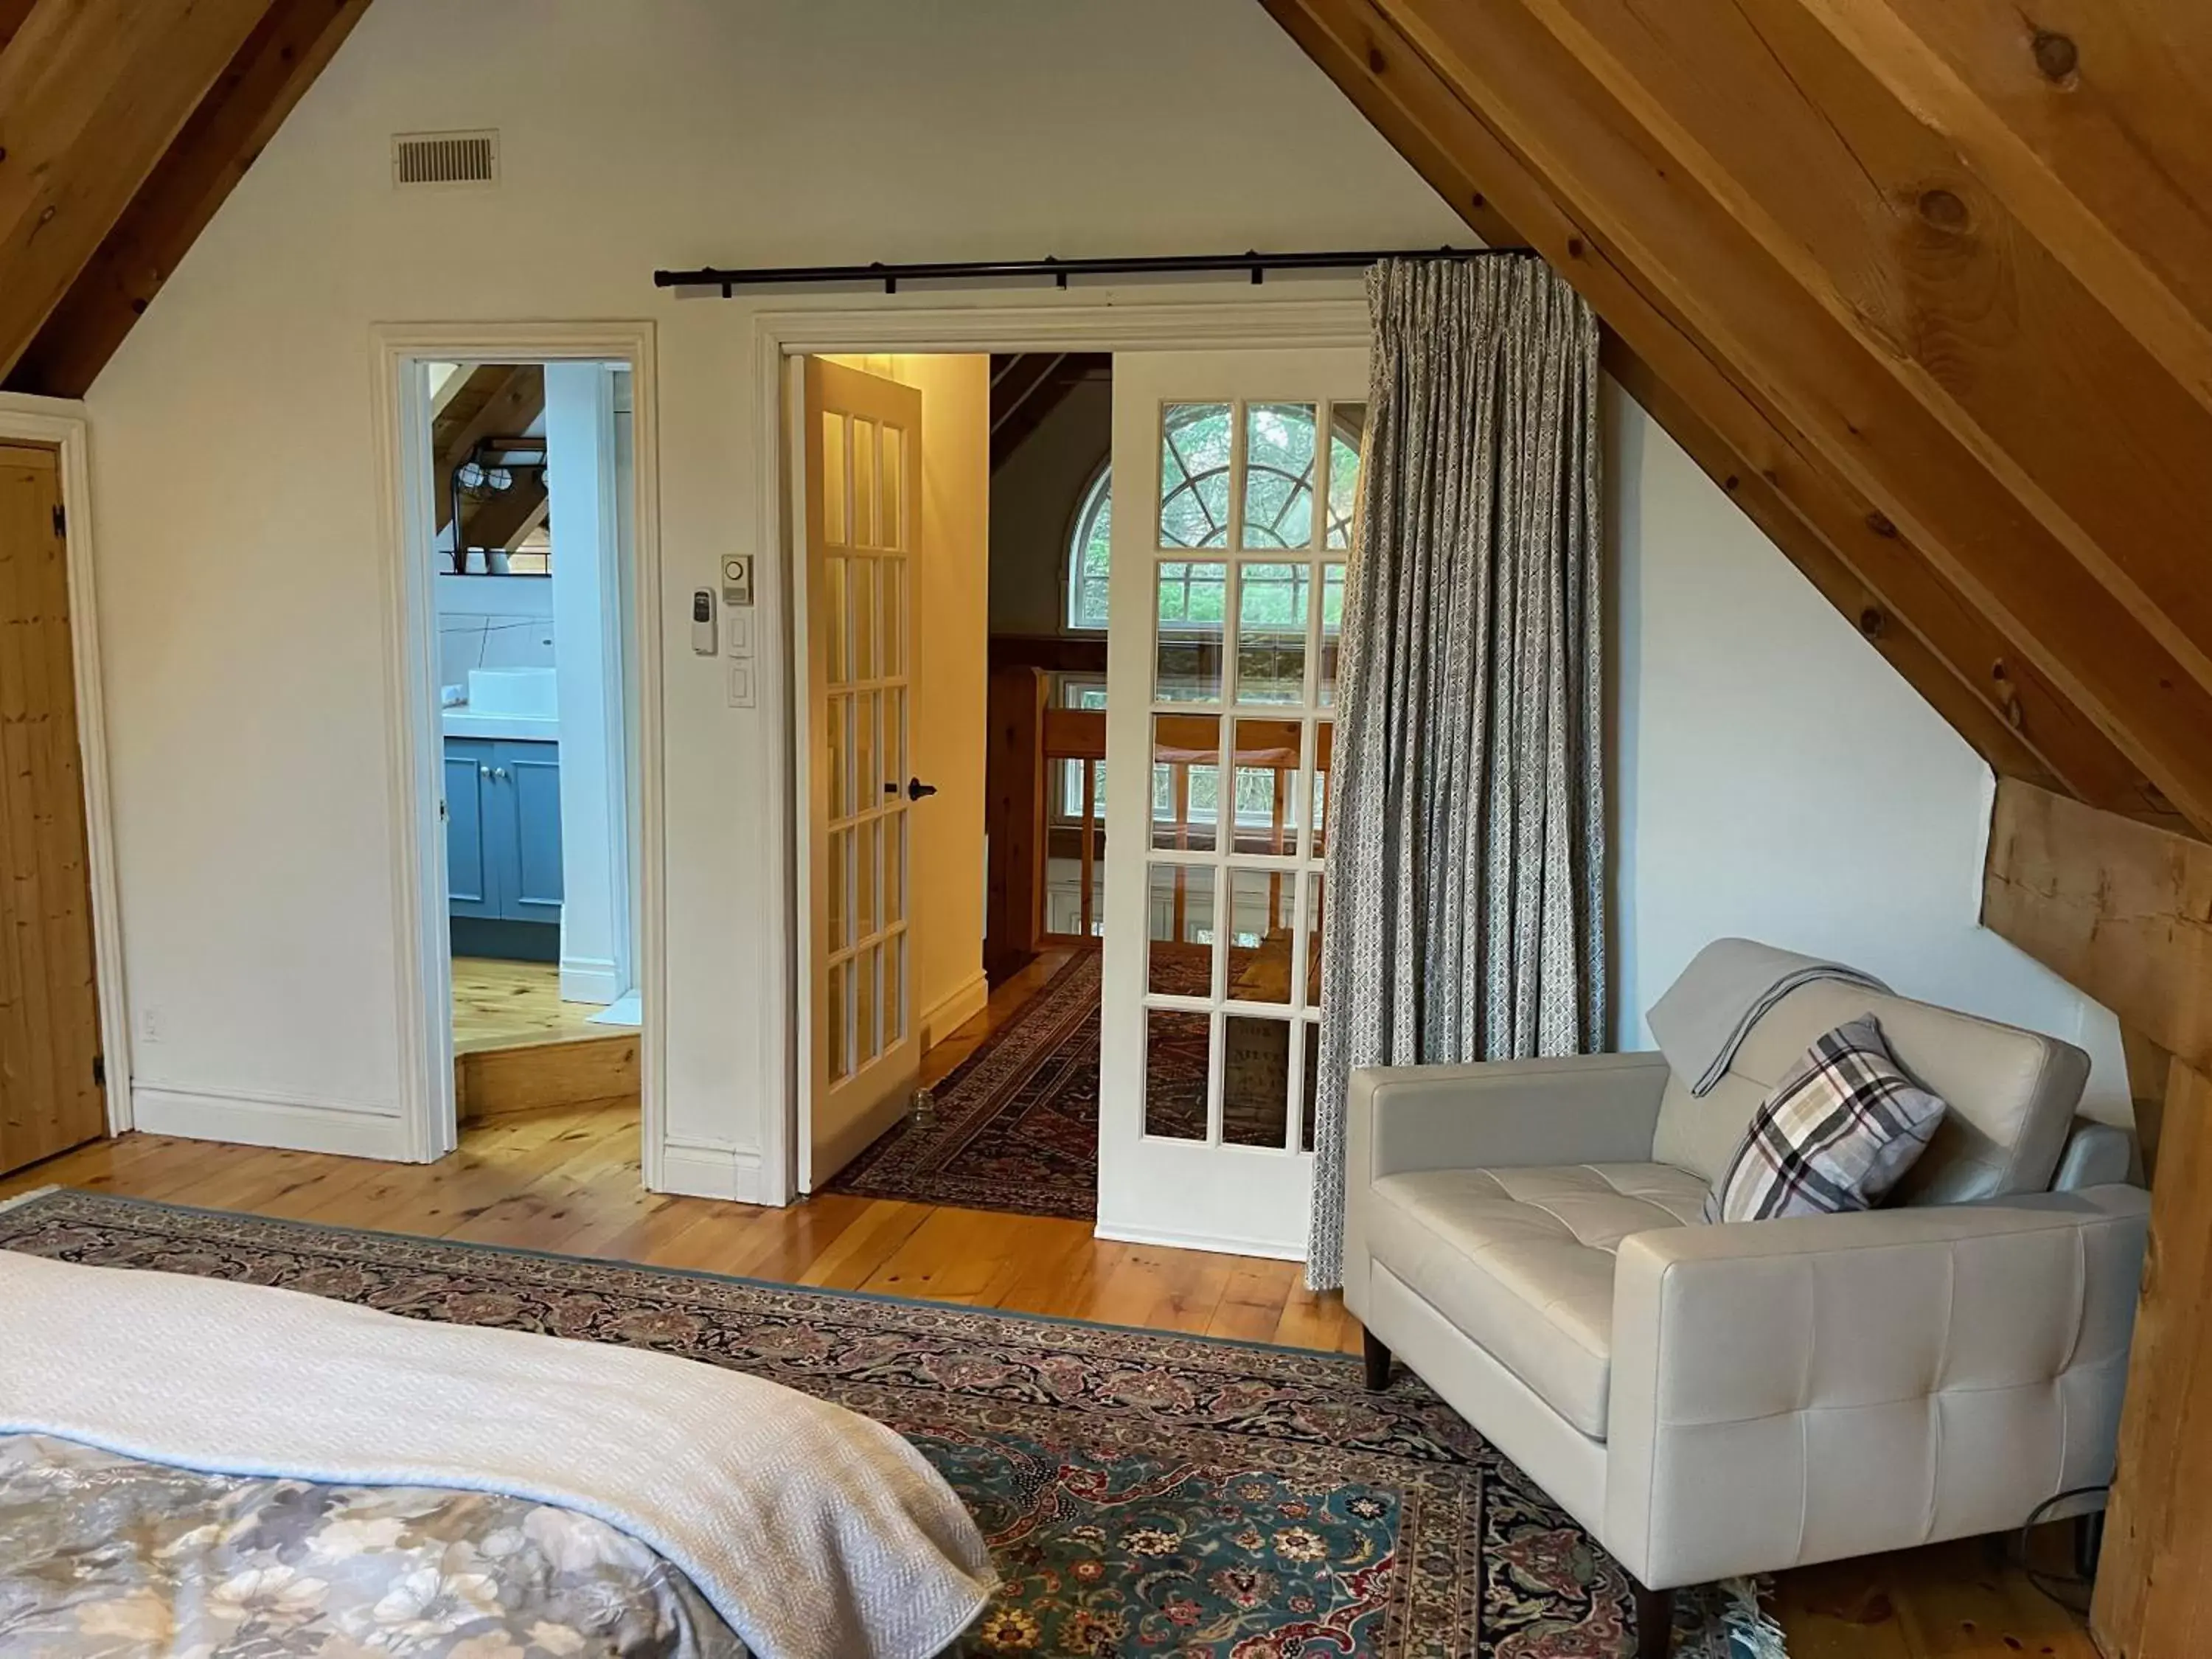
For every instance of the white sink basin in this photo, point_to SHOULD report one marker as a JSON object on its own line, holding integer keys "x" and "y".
{"x": 515, "y": 693}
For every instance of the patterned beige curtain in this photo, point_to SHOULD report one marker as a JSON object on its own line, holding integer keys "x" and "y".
{"x": 1466, "y": 913}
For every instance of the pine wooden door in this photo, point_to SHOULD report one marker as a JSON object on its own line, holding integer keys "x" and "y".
{"x": 50, "y": 1093}
{"x": 861, "y": 508}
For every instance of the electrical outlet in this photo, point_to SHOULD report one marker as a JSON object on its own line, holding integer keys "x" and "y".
{"x": 149, "y": 1025}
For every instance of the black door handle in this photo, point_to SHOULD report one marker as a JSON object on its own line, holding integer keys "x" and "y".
{"x": 916, "y": 789}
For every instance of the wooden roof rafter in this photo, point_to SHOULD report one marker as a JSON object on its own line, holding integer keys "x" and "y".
{"x": 1879, "y": 427}
{"x": 123, "y": 125}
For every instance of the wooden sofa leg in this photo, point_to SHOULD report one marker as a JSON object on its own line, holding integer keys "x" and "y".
{"x": 1655, "y": 1620}
{"x": 1378, "y": 1362}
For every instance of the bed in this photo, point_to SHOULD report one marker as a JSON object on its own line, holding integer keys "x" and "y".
{"x": 196, "y": 1467}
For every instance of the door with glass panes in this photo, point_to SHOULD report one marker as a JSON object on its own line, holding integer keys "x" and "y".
{"x": 860, "y": 507}
{"x": 1235, "y": 477}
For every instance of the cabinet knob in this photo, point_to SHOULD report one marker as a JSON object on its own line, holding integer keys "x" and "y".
{"x": 484, "y": 771}
{"x": 498, "y": 774}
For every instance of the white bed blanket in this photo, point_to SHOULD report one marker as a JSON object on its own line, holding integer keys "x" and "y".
{"x": 817, "y": 1533}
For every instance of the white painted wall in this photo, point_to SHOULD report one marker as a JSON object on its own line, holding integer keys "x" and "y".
{"x": 244, "y": 609}
{"x": 1034, "y": 499}
{"x": 586, "y": 508}
{"x": 1777, "y": 779}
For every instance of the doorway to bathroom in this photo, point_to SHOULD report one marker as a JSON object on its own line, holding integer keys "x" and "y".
{"x": 526, "y": 492}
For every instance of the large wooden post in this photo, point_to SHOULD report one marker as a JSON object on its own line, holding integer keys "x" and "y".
{"x": 1016, "y": 780}
{"x": 2124, "y": 911}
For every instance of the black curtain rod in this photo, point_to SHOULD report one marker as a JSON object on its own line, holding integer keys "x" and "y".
{"x": 1257, "y": 264}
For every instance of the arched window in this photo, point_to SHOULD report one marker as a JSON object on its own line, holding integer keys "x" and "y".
{"x": 1194, "y": 506}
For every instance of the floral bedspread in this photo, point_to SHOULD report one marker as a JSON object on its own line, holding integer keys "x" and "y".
{"x": 102, "y": 1557}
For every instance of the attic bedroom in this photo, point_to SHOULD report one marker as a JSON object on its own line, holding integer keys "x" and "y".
{"x": 1241, "y": 828}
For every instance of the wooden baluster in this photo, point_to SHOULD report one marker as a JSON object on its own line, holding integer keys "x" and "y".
{"x": 1280, "y": 787}
{"x": 1179, "y": 800}
{"x": 1090, "y": 828}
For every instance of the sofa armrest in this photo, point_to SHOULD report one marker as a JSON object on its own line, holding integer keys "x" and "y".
{"x": 1586, "y": 1109}
{"x": 1786, "y": 1392}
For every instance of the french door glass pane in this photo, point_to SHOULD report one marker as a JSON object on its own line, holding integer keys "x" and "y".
{"x": 894, "y": 868}
{"x": 839, "y": 859}
{"x": 838, "y": 762}
{"x": 866, "y": 1046}
{"x": 1193, "y": 608}
{"x": 1195, "y": 443}
{"x": 1332, "y": 630}
{"x": 833, "y": 478}
{"x": 1271, "y": 632}
{"x": 1179, "y": 922}
{"x": 892, "y": 523}
{"x": 838, "y": 1039}
{"x": 1261, "y": 926}
{"x": 893, "y": 581}
{"x": 1267, "y": 819}
{"x": 1313, "y": 938}
{"x": 1178, "y": 1052}
{"x": 839, "y": 624}
{"x": 865, "y": 921}
{"x": 864, "y": 485}
{"x": 861, "y": 582}
{"x": 1255, "y": 1080}
{"x": 1310, "y": 1073}
{"x": 1279, "y": 475}
{"x": 1186, "y": 781}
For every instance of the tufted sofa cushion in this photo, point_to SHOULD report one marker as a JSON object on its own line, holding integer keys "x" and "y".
{"x": 1522, "y": 1262}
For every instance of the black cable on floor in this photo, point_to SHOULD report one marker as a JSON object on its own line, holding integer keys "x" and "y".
{"x": 2053, "y": 1583}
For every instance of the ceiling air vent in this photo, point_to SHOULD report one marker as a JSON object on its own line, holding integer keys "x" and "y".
{"x": 445, "y": 158}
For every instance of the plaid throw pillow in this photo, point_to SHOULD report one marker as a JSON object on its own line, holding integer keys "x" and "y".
{"x": 1841, "y": 1126}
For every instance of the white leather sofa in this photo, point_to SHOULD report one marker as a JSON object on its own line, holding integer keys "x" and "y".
{"x": 1716, "y": 1400}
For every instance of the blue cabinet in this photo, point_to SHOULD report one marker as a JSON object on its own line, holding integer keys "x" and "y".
{"x": 503, "y": 829}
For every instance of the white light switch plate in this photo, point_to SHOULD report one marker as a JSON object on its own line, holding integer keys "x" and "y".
{"x": 741, "y": 685}
{"x": 740, "y": 619}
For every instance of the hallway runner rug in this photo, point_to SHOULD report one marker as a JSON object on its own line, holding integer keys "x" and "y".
{"x": 1016, "y": 1123}
{"x": 1142, "y": 1492}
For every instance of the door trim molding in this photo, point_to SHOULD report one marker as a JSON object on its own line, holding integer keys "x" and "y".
{"x": 425, "y": 965}
{"x": 1333, "y": 312}
{"x": 61, "y": 423}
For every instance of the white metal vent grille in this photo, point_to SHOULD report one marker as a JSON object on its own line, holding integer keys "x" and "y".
{"x": 445, "y": 158}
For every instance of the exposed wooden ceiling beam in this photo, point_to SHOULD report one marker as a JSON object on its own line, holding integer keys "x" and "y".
{"x": 267, "y": 75}
{"x": 2082, "y": 115}
{"x": 91, "y": 94}
{"x": 1027, "y": 387}
{"x": 1997, "y": 698}
{"x": 12, "y": 14}
{"x": 498, "y": 398}
{"x": 1526, "y": 111}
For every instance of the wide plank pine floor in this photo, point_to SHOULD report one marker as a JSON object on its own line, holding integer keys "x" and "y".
{"x": 567, "y": 1180}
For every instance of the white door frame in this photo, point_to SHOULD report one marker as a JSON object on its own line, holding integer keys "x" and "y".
{"x": 1098, "y": 320}
{"x": 60, "y": 422}
{"x": 422, "y": 947}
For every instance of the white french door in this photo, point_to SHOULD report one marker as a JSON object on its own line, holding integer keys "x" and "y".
{"x": 861, "y": 497}
{"x": 1235, "y": 475}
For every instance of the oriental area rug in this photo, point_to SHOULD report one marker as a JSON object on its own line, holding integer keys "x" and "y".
{"x": 1015, "y": 1125}
{"x": 1142, "y": 1492}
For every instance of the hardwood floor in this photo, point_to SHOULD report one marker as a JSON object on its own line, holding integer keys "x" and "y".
{"x": 506, "y": 1004}
{"x": 567, "y": 1180}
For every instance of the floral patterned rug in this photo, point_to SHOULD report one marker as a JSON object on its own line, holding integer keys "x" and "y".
{"x": 1142, "y": 1492}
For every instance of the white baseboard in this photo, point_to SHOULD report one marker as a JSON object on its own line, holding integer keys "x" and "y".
{"x": 698, "y": 1169}
{"x": 254, "y": 1119}
{"x": 1272, "y": 1250}
{"x": 590, "y": 978}
{"x": 950, "y": 1013}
